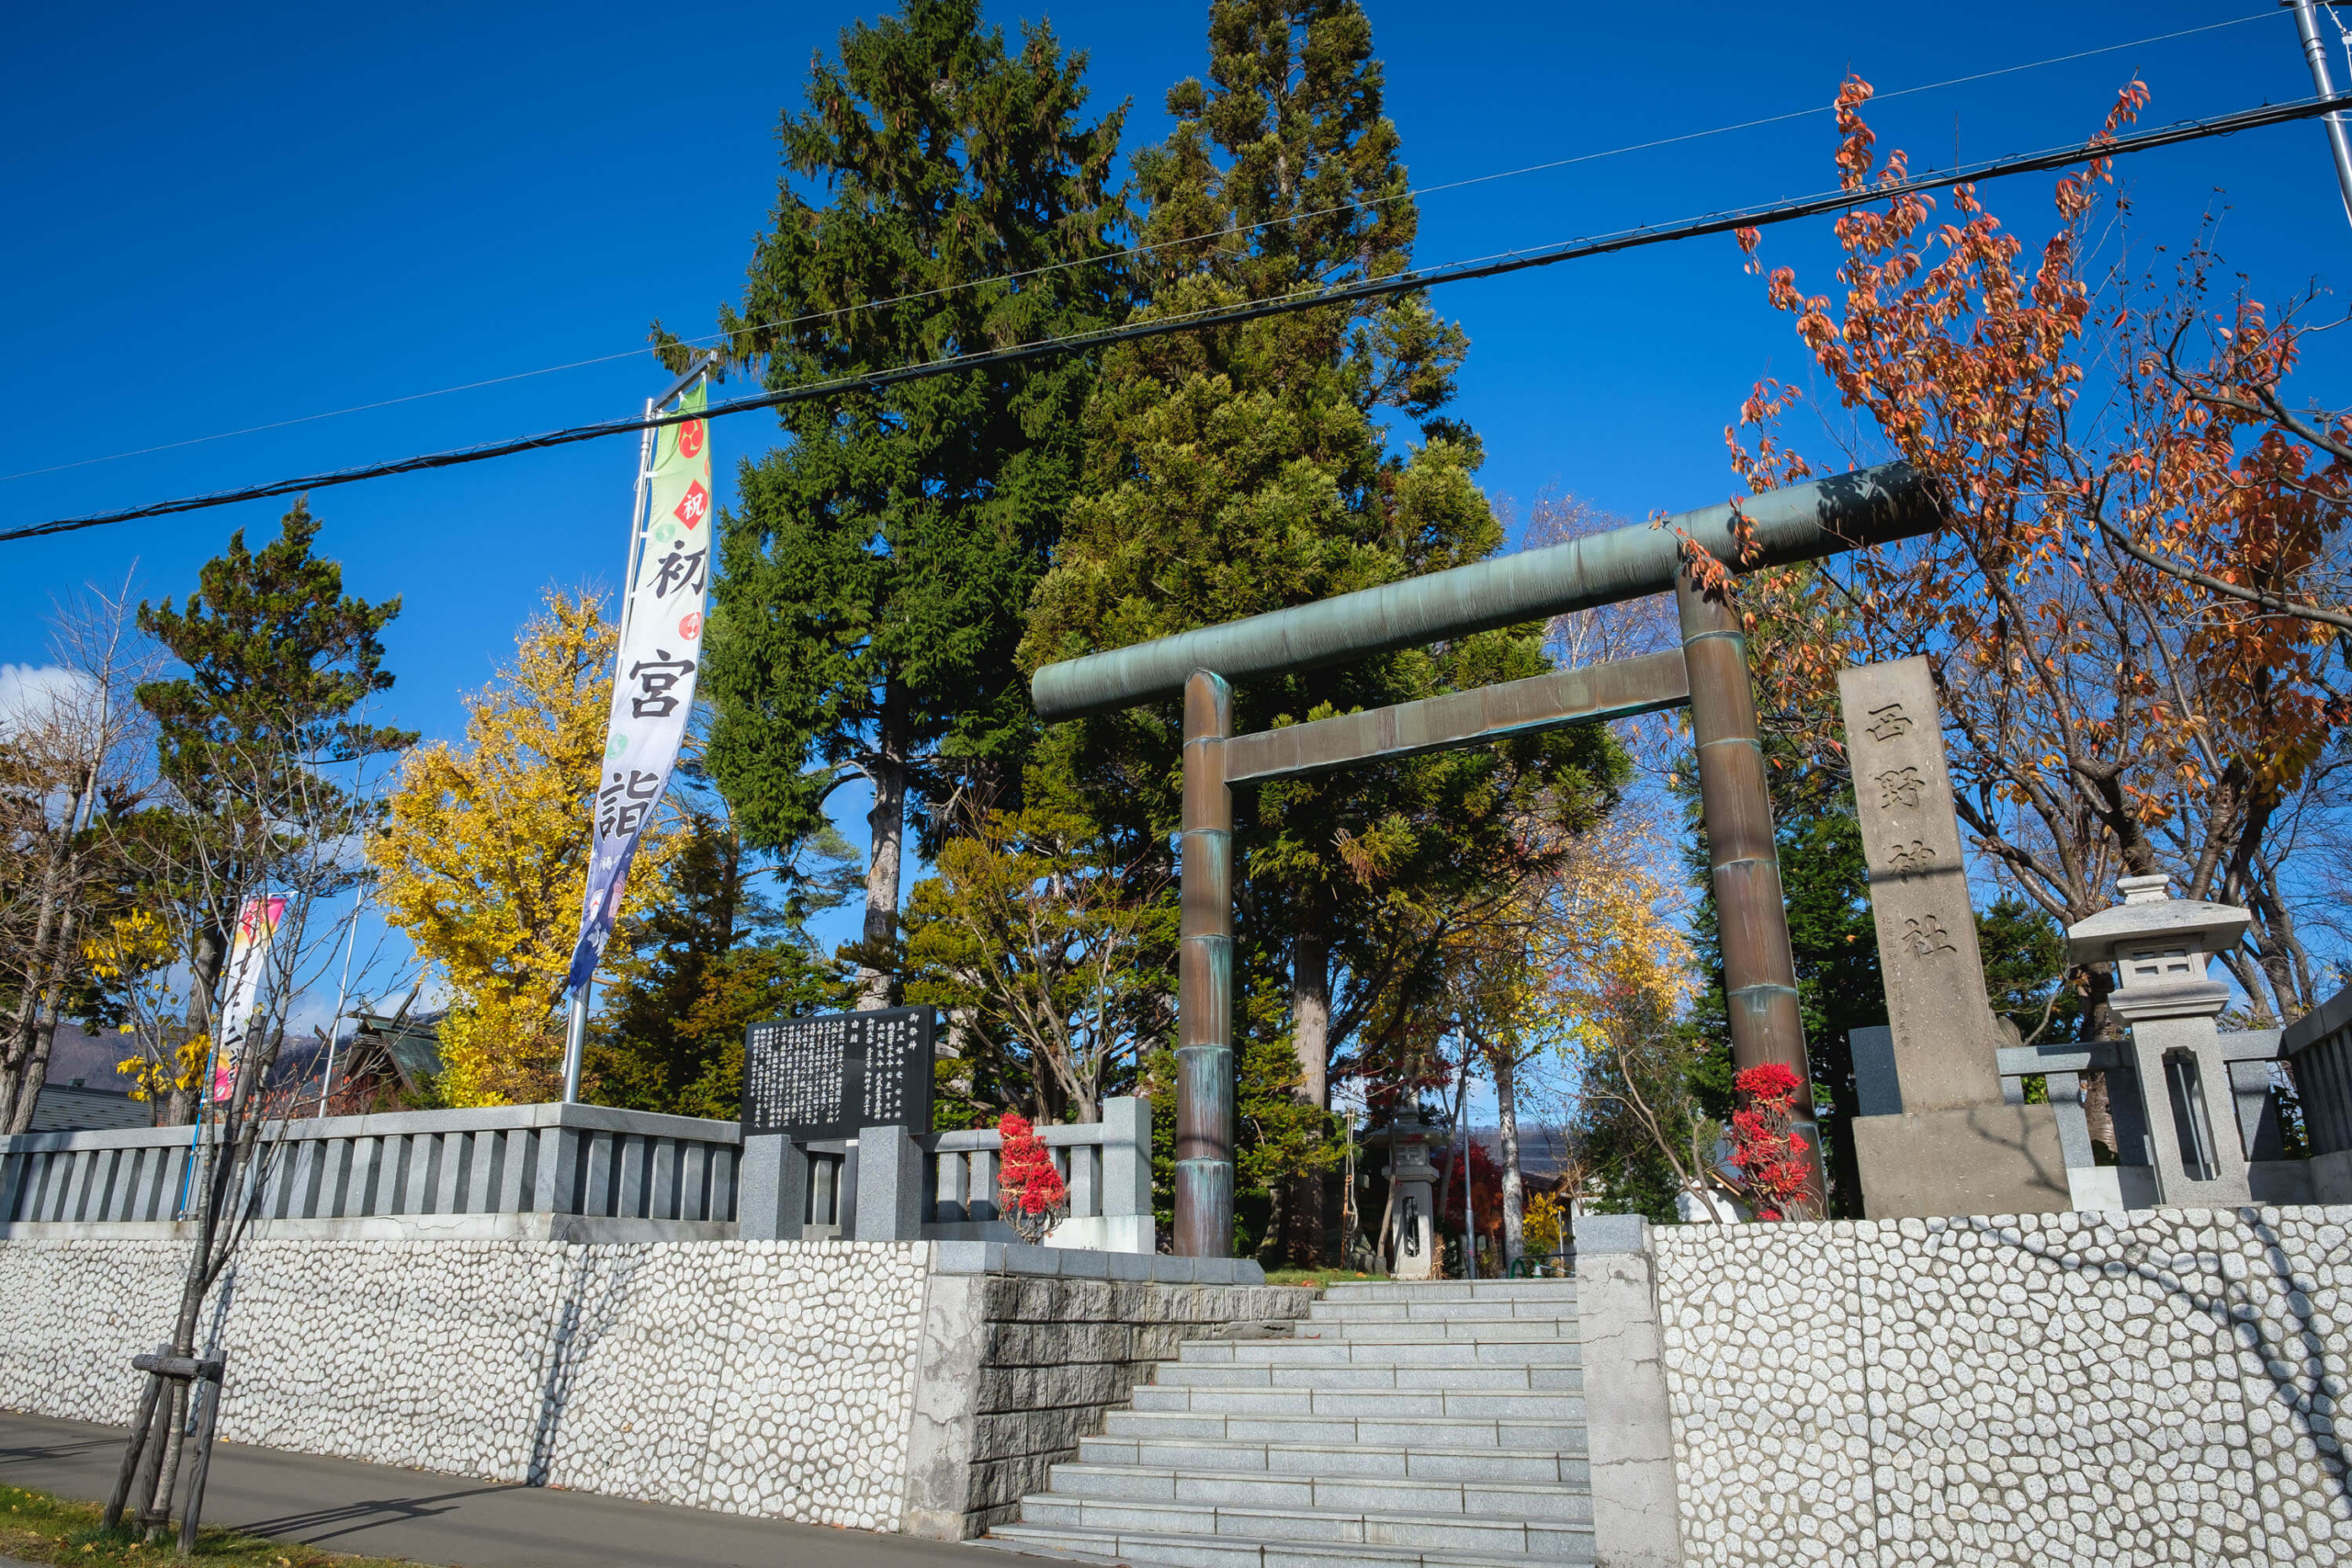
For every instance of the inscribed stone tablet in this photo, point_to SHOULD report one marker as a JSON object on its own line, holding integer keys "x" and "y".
{"x": 827, "y": 1077}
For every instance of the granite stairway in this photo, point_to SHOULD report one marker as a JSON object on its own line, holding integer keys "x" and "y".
{"x": 1436, "y": 1424}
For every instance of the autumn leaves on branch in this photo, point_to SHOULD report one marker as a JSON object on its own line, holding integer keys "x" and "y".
{"x": 2132, "y": 613}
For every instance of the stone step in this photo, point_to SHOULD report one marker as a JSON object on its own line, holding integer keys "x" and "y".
{"x": 1482, "y": 1331}
{"x": 1504, "y": 1310}
{"x": 1563, "y": 1466}
{"x": 1378, "y": 1431}
{"x": 1452, "y": 1291}
{"x": 1354, "y": 1350}
{"x": 1526, "y": 1501}
{"x": 1451, "y": 1531}
{"x": 1524, "y": 1405}
{"x": 1364, "y": 1375}
{"x": 1193, "y": 1552}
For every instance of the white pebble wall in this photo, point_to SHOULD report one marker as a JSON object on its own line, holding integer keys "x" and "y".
{"x": 765, "y": 1378}
{"x": 2059, "y": 1389}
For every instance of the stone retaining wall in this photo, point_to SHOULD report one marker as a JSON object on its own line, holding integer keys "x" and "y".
{"x": 777, "y": 1379}
{"x": 757, "y": 1378}
{"x": 2151, "y": 1388}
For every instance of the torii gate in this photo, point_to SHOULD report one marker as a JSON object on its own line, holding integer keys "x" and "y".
{"x": 1709, "y": 675}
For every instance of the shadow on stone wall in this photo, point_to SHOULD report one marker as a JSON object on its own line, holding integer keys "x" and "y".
{"x": 2036, "y": 1389}
{"x": 2280, "y": 1338}
{"x": 562, "y": 1366}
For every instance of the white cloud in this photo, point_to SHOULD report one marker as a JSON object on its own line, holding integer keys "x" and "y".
{"x": 30, "y": 692}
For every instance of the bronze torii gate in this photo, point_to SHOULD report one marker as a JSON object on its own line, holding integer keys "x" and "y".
{"x": 1709, "y": 675}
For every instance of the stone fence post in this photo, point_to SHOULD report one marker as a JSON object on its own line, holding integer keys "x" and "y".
{"x": 889, "y": 1202}
{"x": 1629, "y": 1436}
{"x": 1127, "y": 1222}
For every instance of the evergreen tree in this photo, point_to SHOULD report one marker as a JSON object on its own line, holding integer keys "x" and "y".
{"x": 278, "y": 659}
{"x": 1249, "y": 467}
{"x": 870, "y": 587}
{"x": 713, "y": 955}
{"x": 279, "y": 663}
{"x": 2025, "y": 958}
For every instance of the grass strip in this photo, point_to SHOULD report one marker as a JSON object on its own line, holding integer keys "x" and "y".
{"x": 1316, "y": 1277}
{"x": 36, "y": 1526}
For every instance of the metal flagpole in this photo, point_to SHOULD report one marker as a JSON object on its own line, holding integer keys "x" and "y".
{"x": 575, "y": 1032}
{"x": 341, "y": 991}
{"x": 1469, "y": 1214}
{"x": 2315, "y": 54}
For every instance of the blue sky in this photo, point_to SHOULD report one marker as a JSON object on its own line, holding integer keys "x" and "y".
{"x": 228, "y": 217}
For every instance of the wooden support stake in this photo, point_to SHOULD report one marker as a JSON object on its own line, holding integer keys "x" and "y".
{"x": 134, "y": 1447}
{"x": 211, "y": 1389}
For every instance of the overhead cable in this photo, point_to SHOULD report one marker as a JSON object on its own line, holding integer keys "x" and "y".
{"x": 789, "y": 323}
{"x": 1305, "y": 299}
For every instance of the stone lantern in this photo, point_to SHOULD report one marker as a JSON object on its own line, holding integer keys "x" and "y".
{"x": 2160, "y": 947}
{"x": 1412, "y": 1212}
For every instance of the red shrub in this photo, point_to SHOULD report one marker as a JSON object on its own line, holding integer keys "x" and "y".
{"x": 1031, "y": 1193}
{"x": 1770, "y": 1157}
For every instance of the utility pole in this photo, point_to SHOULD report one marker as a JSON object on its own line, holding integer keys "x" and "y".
{"x": 2339, "y": 141}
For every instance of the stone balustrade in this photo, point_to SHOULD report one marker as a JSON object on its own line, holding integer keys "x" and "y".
{"x": 1106, "y": 1166}
{"x": 887, "y": 1184}
{"x": 2322, "y": 1070}
{"x": 2317, "y": 1048}
{"x": 582, "y": 1173}
{"x": 552, "y": 1172}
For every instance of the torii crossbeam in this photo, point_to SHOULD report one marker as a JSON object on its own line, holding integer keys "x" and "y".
{"x": 1709, "y": 675}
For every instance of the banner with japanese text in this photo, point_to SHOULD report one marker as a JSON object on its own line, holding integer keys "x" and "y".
{"x": 653, "y": 692}
{"x": 241, "y": 996}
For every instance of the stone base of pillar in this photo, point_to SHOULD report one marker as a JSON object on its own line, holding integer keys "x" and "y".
{"x": 2112, "y": 1189}
{"x": 1971, "y": 1159}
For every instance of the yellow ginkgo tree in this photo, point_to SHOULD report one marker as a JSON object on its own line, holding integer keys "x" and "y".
{"x": 1551, "y": 976}
{"x": 132, "y": 961}
{"x": 484, "y": 855}
{"x": 1620, "y": 973}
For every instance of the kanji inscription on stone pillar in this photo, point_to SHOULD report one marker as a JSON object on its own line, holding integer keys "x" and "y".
{"x": 1944, "y": 1037}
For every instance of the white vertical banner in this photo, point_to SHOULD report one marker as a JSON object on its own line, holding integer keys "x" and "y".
{"x": 654, "y": 691}
{"x": 241, "y": 996}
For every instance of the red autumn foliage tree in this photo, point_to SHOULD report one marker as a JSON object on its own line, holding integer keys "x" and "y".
{"x": 1775, "y": 1177}
{"x": 1486, "y": 1199}
{"x": 1031, "y": 1193}
{"x": 2131, "y": 616}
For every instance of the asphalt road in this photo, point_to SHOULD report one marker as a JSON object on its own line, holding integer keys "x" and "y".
{"x": 345, "y": 1506}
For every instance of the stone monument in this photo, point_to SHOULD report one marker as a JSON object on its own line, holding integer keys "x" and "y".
{"x": 1941, "y": 1140}
{"x": 833, "y": 1086}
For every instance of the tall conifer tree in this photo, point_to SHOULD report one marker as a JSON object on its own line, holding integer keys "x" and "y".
{"x": 1251, "y": 467}
{"x": 280, "y": 664}
{"x": 870, "y": 587}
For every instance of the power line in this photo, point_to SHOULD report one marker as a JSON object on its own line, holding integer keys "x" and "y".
{"x": 785, "y": 324}
{"x": 1303, "y": 299}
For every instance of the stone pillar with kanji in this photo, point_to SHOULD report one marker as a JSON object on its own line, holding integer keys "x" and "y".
{"x": 1945, "y": 1141}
